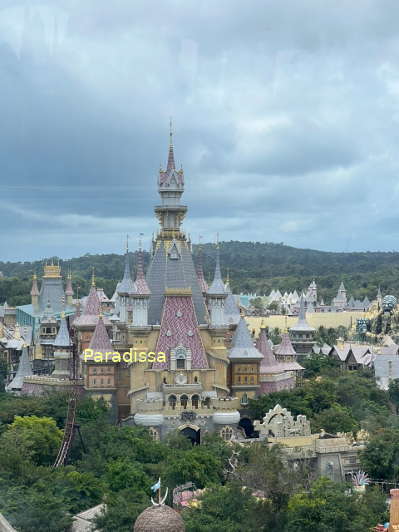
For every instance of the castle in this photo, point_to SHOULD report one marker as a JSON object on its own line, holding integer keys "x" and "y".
{"x": 212, "y": 366}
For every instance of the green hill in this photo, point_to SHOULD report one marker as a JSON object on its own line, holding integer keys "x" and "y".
{"x": 252, "y": 266}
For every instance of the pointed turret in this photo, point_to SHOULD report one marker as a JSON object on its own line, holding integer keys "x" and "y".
{"x": 200, "y": 273}
{"x": 141, "y": 296}
{"x": 216, "y": 296}
{"x": 242, "y": 344}
{"x": 268, "y": 363}
{"x": 100, "y": 340}
{"x": 62, "y": 353}
{"x": 126, "y": 289}
{"x": 91, "y": 310}
{"x": 24, "y": 370}
{"x": 69, "y": 290}
{"x": 302, "y": 334}
{"x": 285, "y": 351}
{"x": 35, "y": 294}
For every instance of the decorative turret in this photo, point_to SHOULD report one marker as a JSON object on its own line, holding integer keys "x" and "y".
{"x": 62, "y": 352}
{"x": 200, "y": 274}
{"x": 171, "y": 188}
{"x": 126, "y": 289}
{"x": 302, "y": 334}
{"x": 35, "y": 294}
{"x": 69, "y": 291}
{"x": 216, "y": 296}
{"x": 141, "y": 296}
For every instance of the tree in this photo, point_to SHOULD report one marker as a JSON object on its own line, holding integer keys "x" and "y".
{"x": 393, "y": 393}
{"x": 330, "y": 507}
{"x": 35, "y": 437}
{"x": 229, "y": 508}
{"x": 335, "y": 419}
{"x": 380, "y": 458}
{"x": 198, "y": 465}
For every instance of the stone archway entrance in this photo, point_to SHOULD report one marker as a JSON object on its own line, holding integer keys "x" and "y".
{"x": 246, "y": 424}
{"x": 191, "y": 432}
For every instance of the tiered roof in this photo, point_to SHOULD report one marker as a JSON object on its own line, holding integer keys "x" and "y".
{"x": 302, "y": 325}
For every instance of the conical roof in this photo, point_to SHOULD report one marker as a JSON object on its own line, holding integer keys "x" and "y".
{"x": 24, "y": 370}
{"x": 141, "y": 286}
{"x": 285, "y": 348}
{"x": 217, "y": 285}
{"x": 242, "y": 343}
{"x": 63, "y": 339}
{"x": 302, "y": 324}
{"x": 100, "y": 340}
{"x": 91, "y": 311}
{"x": 269, "y": 363}
{"x": 126, "y": 286}
{"x": 35, "y": 290}
{"x": 68, "y": 288}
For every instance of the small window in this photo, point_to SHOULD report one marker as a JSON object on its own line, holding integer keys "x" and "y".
{"x": 180, "y": 363}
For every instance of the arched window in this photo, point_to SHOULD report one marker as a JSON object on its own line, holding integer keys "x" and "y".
{"x": 244, "y": 399}
{"x": 184, "y": 401}
{"x": 195, "y": 379}
{"x": 172, "y": 401}
{"x": 181, "y": 355}
{"x": 195, "y": 401}
{"x": 226, "y": 433}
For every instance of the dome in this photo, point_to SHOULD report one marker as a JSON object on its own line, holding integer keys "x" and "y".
{"x": 225, "y": 418}
{"x": 148, "y": 420}
{"x": 156, "y": 518}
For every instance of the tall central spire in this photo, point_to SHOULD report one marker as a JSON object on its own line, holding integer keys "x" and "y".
{"x": 171, "y": 155}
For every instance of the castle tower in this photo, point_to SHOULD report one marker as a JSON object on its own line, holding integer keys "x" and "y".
{"x": 340, "y": 302}
{"x": 200, "y": 274}
{"x": 35, "y": 294}
{"x": 245, "y": 361}
{"x": 69, "y": 291}
{"x": 52, "y": 289}
{"x": 141, "y": 296}
{"x": 62, "y": 352}
{"x": 172, "y": 265}
{"x": 126, "y": 289}
{"x": 216, "y": 297}
{"x": 302, "y": 334}
{"x": 24, "y": 370}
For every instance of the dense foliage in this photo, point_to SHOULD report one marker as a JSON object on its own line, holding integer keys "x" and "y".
{"x": 119, "y": 464}
{"x": 253, "y": 266}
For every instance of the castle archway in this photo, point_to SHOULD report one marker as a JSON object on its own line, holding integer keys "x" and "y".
{"x": 192, "y": 432}
{"x": 246, "y": 424}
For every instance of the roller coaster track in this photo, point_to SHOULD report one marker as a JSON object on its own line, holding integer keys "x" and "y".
{"x": 70, "y": 425}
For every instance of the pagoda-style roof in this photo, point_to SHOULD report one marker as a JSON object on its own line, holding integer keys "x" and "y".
{"x": 179, "y": 328}
{"x": 302, "y": 325}
{"x": 242, "y": 343}
{"x": 285, "y": 348}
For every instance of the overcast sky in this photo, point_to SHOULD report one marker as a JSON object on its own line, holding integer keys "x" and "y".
{"x": 286, "y": 120}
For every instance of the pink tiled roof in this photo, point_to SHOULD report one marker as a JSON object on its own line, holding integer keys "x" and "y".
{"x": 269, "y": 363}
{"x": 179, "y": 327}
{"x": 140, "y": 283}
{"x": 91, "y": 311}
{"x": 100, "y": 340}
{"x": 285, "y": 348}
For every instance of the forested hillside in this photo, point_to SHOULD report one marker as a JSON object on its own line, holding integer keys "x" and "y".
{"x": 252, "y": 266}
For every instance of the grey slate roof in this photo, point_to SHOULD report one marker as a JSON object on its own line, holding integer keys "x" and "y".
{"x": 302, "y": 324}
{"x": 24, "y": 370}
{"x": 217, "y": 285}
{"x": 166, "y": 272}
{"x": 52, "y": 290}
{"x": 62, "y": 339}
{"x": 242, "y": 343}
{"x": 126, "y": 286}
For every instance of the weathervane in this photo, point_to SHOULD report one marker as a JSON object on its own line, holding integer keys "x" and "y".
{"x": 157, "y": 488}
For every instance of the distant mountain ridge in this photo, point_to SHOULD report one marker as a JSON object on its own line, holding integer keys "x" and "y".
{"x": 251, "y": 266}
